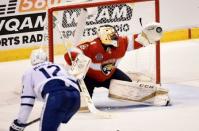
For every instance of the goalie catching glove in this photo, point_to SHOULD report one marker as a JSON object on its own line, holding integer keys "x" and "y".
{"x": 150, "y": 34}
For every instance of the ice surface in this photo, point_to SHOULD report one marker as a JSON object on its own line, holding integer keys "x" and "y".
{"x": 181, "y": 115}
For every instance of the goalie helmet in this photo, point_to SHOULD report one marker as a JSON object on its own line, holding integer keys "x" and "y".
{"x": 108, "y": 35}
{"x": 38, "y": 56}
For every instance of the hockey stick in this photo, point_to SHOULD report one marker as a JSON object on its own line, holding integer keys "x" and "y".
{"x": 140, "y": 20}
{"x": 88, "y": 100}
{"x": 90, "y": 104}
{"x": 77, "y": 36}
{"x": 32, "y": 122}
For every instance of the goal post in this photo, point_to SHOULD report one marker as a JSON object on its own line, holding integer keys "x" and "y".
{"x": 123, "y": 14}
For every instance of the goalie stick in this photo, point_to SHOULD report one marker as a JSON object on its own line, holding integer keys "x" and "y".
{"x": 77, "y": 36}
{"x": 90, "y": 104}
{"x": 88, "y": 100}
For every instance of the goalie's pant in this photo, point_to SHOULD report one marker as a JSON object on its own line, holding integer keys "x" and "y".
{"x": 59, "y": 107}
{"x": 91, "y": 83}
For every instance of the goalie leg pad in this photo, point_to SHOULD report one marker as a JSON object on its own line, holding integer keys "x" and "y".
{"x": 139, "y": 77}
{"x": 145, "y": 92}
{"x": 161, "y": 97}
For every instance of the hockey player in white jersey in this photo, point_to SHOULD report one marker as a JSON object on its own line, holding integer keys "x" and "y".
{"x": 52, "y": 84}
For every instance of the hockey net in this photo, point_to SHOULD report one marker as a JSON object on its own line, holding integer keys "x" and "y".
{"x": 66, "y": 28}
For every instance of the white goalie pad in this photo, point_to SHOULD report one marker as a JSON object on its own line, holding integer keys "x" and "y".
{"x": 145, "y": 92}
{"x": 136, "y": 76}
{"x": 80, "y": 66}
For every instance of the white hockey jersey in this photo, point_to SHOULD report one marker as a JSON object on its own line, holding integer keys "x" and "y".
{"x": 33, "y": 82}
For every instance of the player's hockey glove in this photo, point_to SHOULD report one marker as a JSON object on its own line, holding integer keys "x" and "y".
{"x": 15, "y": 126}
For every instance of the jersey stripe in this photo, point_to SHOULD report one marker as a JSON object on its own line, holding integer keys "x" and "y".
{"x": 25, "y": 104}
{"x": 32, "y": 97}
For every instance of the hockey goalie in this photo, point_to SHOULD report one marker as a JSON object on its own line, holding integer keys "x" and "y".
{"x": 105, "y": 51}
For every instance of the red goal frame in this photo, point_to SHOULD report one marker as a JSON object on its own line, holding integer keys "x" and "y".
{"x": 101, "y": 3}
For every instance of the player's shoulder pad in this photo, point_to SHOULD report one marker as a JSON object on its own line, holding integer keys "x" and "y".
{"x": 123, "y": 37}
{"x": 27, "y": 72}
{"x": 84, "y": 45}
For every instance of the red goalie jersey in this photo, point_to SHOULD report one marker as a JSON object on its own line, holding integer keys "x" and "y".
{"x": 104, "y": 59}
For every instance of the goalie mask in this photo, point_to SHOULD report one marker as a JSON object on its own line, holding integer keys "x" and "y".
{"x": 108, "y": 35}
{"x": 38, "y": 56}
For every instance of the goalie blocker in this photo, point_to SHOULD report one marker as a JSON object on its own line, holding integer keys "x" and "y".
{"x": 145, "y": 92}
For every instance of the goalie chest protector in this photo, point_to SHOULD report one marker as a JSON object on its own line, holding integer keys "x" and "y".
{"x": 103, "y": 61}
